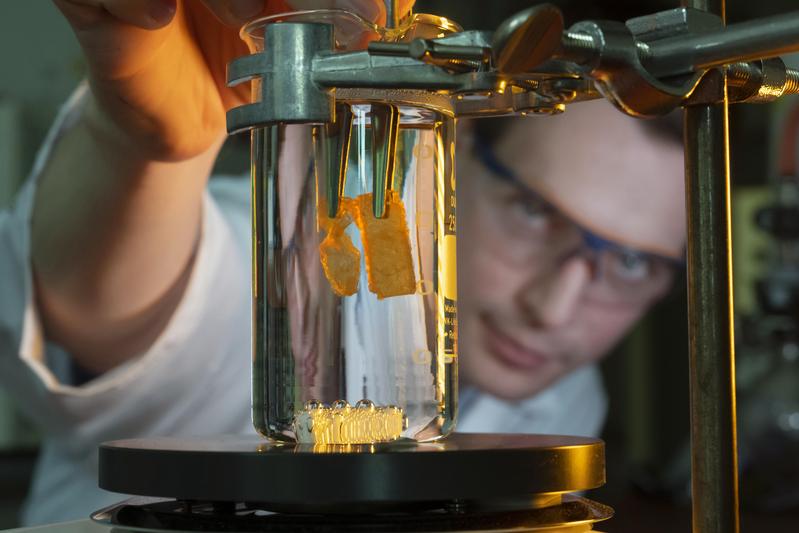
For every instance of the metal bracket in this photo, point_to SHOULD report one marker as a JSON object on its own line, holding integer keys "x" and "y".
{"x": 612, "y": 54}
{"x": 644, "y": 67}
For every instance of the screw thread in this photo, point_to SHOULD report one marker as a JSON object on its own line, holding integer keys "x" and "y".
{"x": 792, "y": 81}
{"x": 573, "y": 40}
{"x": 739, "y": 74}
{"x": 577, "y": 47}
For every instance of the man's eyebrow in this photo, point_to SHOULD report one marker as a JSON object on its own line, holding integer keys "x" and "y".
{"x": 501, "y": 171}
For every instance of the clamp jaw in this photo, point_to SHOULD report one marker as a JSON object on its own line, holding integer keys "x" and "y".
{"x": 647, "y": 67}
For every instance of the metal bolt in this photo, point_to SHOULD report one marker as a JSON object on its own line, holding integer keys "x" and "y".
{"x": 792, "y": 81}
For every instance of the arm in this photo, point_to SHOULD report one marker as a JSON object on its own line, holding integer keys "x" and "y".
{"x": 117, "y": 214}
{"x": 113, "y": 237}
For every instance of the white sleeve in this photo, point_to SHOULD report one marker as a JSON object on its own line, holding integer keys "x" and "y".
{"x": 188, "y": 382}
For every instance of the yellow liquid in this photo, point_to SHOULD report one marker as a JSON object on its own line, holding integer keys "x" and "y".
{"x": 342, "y": 423}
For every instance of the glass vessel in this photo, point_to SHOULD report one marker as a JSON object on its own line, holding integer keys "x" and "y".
{"x": 354, "y": 279}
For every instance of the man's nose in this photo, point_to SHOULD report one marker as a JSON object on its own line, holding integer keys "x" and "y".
{"x": 551, "y": 300}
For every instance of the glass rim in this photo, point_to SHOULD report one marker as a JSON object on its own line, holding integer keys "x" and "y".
{"x": 250, "y": 30}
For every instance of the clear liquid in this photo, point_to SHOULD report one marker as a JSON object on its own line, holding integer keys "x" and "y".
{"x": 349, "y": 306}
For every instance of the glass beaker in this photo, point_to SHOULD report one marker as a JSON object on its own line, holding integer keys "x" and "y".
{"x": 354, "y": 279}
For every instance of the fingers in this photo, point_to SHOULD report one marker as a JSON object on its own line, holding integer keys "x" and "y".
{"x": 235, "y": 12}
{"x": 155, "y": 14}
{"x": 145, "y": 14}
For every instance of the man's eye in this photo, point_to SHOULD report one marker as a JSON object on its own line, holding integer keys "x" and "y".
{"x": 631, "y": 266}
{"x": 531, "y": 210}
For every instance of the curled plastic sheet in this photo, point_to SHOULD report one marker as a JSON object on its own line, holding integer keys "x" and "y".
{"x": 341, "y": 260}
{"x": 386, "y": 243}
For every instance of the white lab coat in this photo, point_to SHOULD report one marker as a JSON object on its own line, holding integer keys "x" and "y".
{"x": 195, "y": 379}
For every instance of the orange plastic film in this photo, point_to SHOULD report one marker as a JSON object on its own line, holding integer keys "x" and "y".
{"x": 387, "y": 246}
{"x": 341, "y": 260}
{"x": 344, "y": 217}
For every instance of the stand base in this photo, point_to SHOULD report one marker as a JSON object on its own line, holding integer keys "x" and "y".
{"x": 573, "y": 515}
{"x": 466, "y": 482}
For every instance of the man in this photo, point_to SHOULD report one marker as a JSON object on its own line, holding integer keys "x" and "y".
{"x": 571, "y": 228}
{"x": 126, "y": 281}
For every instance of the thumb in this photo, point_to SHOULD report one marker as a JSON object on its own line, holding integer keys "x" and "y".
{"x": 144, "y": 14}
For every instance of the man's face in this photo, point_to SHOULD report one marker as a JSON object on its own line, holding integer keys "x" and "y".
{"x": 532, "y": 305}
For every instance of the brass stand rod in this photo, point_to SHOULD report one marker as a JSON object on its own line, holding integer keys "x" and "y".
{"x": 714, "y": 463}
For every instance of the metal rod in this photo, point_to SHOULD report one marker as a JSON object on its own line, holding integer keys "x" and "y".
{"x": 392, "y": 13}
{"x": 714, "y": 463}
{"x": 335, "y": 141}
{"x": 745, "y": 41}
{"x": 385, "y": 132}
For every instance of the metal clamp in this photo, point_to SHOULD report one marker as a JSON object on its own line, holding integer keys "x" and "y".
{"x": 647, "y": 67}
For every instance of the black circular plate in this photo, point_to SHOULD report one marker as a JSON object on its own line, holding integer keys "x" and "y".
{"x": 477, "y": 467}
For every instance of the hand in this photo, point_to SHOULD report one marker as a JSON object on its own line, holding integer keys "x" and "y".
{"x": 157, "y": 67}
